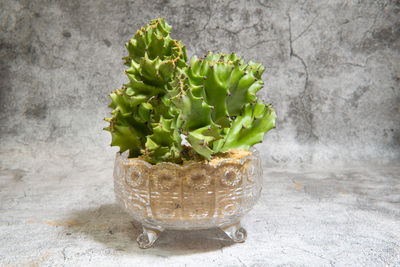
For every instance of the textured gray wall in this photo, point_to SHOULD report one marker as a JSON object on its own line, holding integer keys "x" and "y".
{"x": 333, "y": 70}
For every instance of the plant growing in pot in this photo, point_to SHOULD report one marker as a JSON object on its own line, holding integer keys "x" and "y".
{"x": 185, "y": 132}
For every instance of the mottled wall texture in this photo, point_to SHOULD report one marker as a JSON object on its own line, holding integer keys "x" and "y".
{"x": 332, "y": 71}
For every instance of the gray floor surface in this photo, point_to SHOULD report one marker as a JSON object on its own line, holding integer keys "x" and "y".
{"x": 57, "y": 208}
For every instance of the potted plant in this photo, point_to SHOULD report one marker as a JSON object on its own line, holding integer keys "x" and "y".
{"x": 185, "y": 132}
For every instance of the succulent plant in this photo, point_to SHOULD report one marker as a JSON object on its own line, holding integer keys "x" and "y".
{"x": 211, "y": 101}
{"x": 217, "y": 102}
{"x": 142, "y": 119}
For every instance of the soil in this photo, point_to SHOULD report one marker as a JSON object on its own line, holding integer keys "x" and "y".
{"x": 190, "y": 156}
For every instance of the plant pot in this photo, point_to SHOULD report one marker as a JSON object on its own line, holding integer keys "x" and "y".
{"x": 196, "y": 195}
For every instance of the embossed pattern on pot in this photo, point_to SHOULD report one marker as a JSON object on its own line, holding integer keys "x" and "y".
{"x": 196, "y": 195}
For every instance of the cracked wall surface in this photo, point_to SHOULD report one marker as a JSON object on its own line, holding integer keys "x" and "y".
{"x": 332, "y": 70}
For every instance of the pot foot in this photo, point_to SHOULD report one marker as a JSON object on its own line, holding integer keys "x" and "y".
{"x": 148, "y": 237}
{"x": 236, "y": 232}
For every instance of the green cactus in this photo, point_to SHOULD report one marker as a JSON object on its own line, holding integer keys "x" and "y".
{"x": 142, "y": 120}
{"x": 217, "y": 100}
{"x": 212, "y": 101}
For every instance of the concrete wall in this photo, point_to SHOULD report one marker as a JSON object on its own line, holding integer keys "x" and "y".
{"x": 333, "y": 70}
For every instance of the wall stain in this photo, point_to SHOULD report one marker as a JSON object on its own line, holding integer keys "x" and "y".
{"x": 395, "y": 138}
{"x": 361, "y": 90}
{"x": 107, "y": 42}
{"x": 7, "y": 54}
{"x": 388, "y": 35}
{"x": 37, "y": 111}
{"x": 381, "y": 38}
{"x": 66, "y": 34}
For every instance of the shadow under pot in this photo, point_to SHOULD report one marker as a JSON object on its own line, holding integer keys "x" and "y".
{"x": 192, "y": 196}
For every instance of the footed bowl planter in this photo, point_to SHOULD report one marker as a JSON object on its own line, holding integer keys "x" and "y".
{"x": 196, "y": 195}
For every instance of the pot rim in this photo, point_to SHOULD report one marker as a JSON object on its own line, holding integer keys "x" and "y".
{"x": 253, "y": 153}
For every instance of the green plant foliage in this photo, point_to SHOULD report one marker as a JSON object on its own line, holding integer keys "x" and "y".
{"x": 143, "y": 121}
{"x": 212, "y": 101}
{"x": 216, "y": 97}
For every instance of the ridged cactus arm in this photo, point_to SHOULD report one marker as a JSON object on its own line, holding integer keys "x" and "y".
{"x": 216, "y": 91}
{"x": 127, "y": 139}
{"x": 200, "y": 142}
{"x": 242, "y": 90}
{"x": 164, "y": 143}
{"x": 250, "y": 128}
{"x": 257, "y": 68}
{"x": 194, "y": 111}
{"x": 153, "y": 57}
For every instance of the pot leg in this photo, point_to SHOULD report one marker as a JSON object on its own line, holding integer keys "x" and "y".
{"x": 147, "y": 238}
{"x": 236, "y": 232}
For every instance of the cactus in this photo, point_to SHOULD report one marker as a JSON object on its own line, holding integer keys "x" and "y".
{"x": 217, "y": 100}
{"x": 142, "y": 120}
{"x": 212, "y": 101}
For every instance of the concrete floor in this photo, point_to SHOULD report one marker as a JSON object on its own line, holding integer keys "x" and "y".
{"x": 57, "y": 208}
